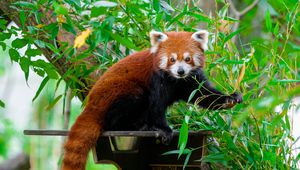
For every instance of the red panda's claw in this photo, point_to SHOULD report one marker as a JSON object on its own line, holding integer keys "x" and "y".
{"x": 232, "y": 100}
{"x": 237, "y": 97}
{"x": 165, "y": 133}
{"x": 166, "y": 137}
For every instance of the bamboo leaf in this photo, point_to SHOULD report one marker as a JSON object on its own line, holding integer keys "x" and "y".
{"x": 192, "y": 95}
{"x": 124, "y": 41}
{"x": 41, "y": 87}
{"x": 22, "y": 18}
{"x": 53, "y": 103}
{"x": 14, "y": 55}
{"x": 2, "y": 104}
{"x": 25, "y": 63}
{"x": 186, "y": 151}
{"x": 26, "y": 5}
{"x": 156, "y": 5}
{"x": 268, "y": 21}
{"x": 19, "y": 43}
{"x": 232, "y": 35}
{"x": 186, "y": 161}
{"x": 60, "y": 9}
{"x": 241, "y": 76}
{"x": 33, "y": 52}
{"x": 183, "y": 136}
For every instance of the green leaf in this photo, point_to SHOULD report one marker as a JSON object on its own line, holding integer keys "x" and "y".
{"x": 199, "y": 17}
{"x": 60, "y": 9}
{"x": 3, "y": 45}
{"x": 186, "y": 161}
{"x": 283, "y": 81}
{"x": 47, "y": 67}
{"x": 22, "y": 18}
{"x": 214, "y": 157}
{"x": 107, "y": 4}
{"x": 232, "y": 35}
{"x": 19, "y": 43}
{"x": 192, "y": 95}
{"x": 14, "y": 55}
{"x": 52, "y": 104}
{"x": 2, "y": 104}
{"x": 26, "y": 5}
{"x": 156, "y": 5}
{"x": 124, "y": 41}
{"x": 268, "y": 21}
{"x": 51, "y": 72}
{"x": 276, "y": 30}
{"x": 40, "y": 43}
{"x": 233, "y": 62}
{"x": 96, "y": 11}
{"x": 33, "y": 52}
{"x": 41, "y": 2}
{"x": 54, "y": 32}
{"x": 52, "y": 48}
{"x": 229, "y": 141}
{"x": 25, "y": 63}
{"x": 69, "y": 28}
{"x": 186, "y": 151}
{"x": 4, "y": 36}
{"x": 39, "y": 71}
{"x": 183, "y": 137}
{"x": 3, "y": 24}
{"x": 42, "y": 85}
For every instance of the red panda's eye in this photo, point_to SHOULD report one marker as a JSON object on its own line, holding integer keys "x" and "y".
{"x": 187, "y": 59}
{"x": 172, "y": 60}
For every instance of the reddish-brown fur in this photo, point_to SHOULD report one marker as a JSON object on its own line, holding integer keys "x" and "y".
{"x": 128, "y": 76}
{"x": 123, "y": 77}
{"x": 179, "y": 43}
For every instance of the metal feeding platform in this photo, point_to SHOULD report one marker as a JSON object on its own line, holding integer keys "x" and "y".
{"x": 142, "y": 150}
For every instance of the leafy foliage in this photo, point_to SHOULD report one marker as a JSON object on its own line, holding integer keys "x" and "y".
{"x": 263, "y": 64}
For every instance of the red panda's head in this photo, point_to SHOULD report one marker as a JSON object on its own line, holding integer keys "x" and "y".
{"x": 179, "y": 52}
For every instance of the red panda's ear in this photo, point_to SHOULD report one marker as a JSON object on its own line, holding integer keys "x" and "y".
{"x": 201, "y": 36}
{"x": 156, "y": 38}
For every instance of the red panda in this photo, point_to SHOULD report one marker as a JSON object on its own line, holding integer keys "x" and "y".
{"x": 135, "y": 92}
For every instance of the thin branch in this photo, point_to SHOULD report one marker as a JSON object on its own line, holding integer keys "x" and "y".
{"x": 238, "y": 14}
{"x": 67, "y": 111}
{"x": 244, "y": 11}
{"x": 60, "y": 63}
{"x": 248, "y": 8}
{"x": 232, "y": 8}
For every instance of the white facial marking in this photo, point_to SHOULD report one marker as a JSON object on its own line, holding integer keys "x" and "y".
{"x": 180, "y": 65}
{"x": 163, "y": 62}
{"x": 201, "y": 36}
{"x": 153, "y": 49}
{"x": 174, "y": 55}
{"x": 196, "y": 59}
{"x": 185, "y": 55}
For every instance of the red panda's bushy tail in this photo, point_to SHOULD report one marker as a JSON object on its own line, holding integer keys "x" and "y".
{"x": 82, "y": 137}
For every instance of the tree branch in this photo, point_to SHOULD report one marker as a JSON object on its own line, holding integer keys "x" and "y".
{"x": 248, "y": 8}
{"x": 238, "y": 14}
{"x": 244, "y": 11}
{"x": 61, "y": 63}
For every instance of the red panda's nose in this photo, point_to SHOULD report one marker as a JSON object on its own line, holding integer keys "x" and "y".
{"x": 180, "y": 71}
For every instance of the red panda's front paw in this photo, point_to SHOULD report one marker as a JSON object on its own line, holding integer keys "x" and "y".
{"x": 165, "y": 133}
{"x": 166, "y": 136}
{"x": 233, "y": 99}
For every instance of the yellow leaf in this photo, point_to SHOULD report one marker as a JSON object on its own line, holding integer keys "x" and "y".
{"x": 80, "y": 39}
{"x": 61, "y": 18}
{"x": 241, "y": 76}
{"x": 40, "y": 25}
